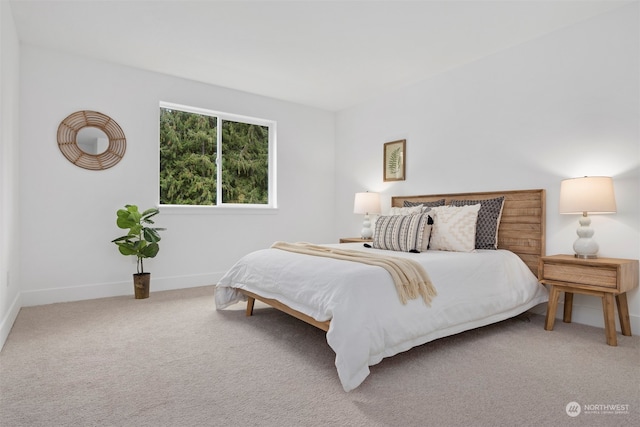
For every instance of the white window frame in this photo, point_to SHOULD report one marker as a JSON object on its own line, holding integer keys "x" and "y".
{"x": 220, "y": 207}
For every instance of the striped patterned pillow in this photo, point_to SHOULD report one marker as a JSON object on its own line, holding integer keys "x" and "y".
{"x": 402, "y": 232}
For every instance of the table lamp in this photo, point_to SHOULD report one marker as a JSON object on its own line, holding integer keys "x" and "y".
{"x": 366, "y": 203}
{"x": 587, "y": 195}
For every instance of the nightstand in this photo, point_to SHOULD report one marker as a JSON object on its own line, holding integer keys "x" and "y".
{"x": 602, "y": 277}
{"x": 354, "y": 240}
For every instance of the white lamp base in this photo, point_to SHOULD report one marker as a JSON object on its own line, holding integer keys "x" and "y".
{"x": 585, "y": 247}
{"x": 366, "y": 232}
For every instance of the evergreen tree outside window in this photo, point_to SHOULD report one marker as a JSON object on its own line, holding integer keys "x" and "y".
{"x": 209, "y": 158}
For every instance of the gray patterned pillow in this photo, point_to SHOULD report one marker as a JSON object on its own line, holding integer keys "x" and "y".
{"x": 433, "y": 204}
{"x": 402, "y": 232}
{"x": 488, "y": 220}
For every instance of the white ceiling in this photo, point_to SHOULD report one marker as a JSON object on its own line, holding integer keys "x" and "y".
{"x": 326, "y": 54}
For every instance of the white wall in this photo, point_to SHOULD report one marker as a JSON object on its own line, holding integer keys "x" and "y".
{"x": 9, "y": 101}
{"x": 561, "y": 106}
{"x": 68, "y": 213}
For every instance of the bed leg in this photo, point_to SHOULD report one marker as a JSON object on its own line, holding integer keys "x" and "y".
{"x": 250, "y": 302}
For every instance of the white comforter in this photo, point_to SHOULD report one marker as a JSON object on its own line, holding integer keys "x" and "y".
{"x": 368, "y": 320}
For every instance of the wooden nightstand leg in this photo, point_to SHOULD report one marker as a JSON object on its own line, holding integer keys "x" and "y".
{"x": 568, "y": 307}
{"x": 552, "y": 306}
{"x": 623, "y": 313}
{"x": 609, "y": 319}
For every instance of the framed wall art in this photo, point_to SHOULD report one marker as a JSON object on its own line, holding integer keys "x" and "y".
{"x": 395, "y": 158}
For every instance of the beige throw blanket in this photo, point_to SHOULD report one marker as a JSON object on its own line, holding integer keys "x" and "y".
{"x": 410, "y": 278}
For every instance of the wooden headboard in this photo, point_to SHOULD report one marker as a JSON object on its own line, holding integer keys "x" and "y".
{"x": 522, "y": 226}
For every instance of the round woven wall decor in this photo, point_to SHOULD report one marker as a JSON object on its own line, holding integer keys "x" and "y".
{"x": 68, "y": 144}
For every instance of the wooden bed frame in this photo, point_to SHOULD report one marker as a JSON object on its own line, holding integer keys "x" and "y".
{"x": 521, "y": 231}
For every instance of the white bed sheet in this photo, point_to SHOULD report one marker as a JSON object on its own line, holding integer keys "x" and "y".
{"x": 368, "y": 320}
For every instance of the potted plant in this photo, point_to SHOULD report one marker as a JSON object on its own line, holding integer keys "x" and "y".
{"x": 141, "y": 241}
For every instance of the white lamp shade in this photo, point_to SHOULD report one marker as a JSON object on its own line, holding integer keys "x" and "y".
{"x": 592, "y": 194}
{"x": 366, "y": 203}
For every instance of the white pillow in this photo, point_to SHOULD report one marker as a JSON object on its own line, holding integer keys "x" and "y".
{"x": 406, "y": 210}
{"x": 454, "y": 228}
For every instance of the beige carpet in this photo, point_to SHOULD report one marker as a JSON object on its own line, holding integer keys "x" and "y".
{"x": 173, "y": 360}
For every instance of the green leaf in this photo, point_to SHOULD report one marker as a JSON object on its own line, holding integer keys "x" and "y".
{"x": 124, "y": 219}
{"x": 148, "y": 214}
{"x": 127, "y": 249}
{"x": 150, "y": 251}
{"x": 134, "y": 213}
{"x": 151, "y": 235}
{"x": 121, "y": 238}
{"x": 135, "y": 230}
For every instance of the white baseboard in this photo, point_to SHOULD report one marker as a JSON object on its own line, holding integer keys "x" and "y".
{"x": 9, "y": 319}
{"x": 105, "y": 290}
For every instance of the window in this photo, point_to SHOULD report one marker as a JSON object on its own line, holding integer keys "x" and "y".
{"x": 209, "y": 158}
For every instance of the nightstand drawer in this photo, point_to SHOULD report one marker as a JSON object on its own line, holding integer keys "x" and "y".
{"x": 582, "y": 274}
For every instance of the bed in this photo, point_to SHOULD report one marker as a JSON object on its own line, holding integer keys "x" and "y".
{"x": 358, "y": 305}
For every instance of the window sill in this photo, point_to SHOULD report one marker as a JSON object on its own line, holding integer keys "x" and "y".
{"x": 216, "y": 210}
